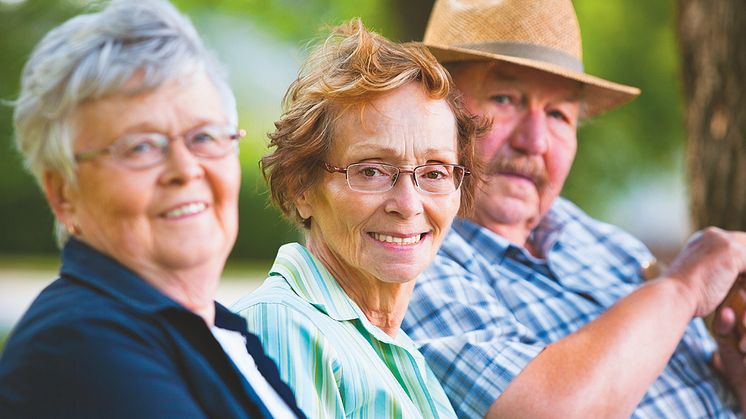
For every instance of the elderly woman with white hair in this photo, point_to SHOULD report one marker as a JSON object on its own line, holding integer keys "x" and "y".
{"x": 129, "y": 127}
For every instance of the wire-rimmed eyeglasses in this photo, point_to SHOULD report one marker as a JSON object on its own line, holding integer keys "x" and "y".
{"x": 147, "y": 149}
{"x": 431, "y": 178}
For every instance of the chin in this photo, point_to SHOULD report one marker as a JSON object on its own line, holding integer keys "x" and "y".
{"x": 508, "y": 210}
{"x": 193, "y": 253}
{"x": 398, "y": 276}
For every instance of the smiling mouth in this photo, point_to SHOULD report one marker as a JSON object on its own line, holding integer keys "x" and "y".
{"x": 385, "y": 238}
{"x": 186, "y": 210}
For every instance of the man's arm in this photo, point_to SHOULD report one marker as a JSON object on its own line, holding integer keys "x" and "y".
{"x": 604, "y": 369}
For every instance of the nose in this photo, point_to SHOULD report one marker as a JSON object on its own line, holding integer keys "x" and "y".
{"x": 530, "y": 135}
{"x": 181, "y": 165}
{"x": 404, "y": 198}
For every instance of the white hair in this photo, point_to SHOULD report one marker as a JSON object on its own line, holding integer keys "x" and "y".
{"x": 95, "y": 55}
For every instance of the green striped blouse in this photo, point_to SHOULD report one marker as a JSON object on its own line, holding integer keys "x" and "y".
{"x": 338, "y": 364}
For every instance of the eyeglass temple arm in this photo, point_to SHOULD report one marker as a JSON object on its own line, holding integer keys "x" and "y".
{"x": 238, "y": 135}
{"x": 332, "y": 168}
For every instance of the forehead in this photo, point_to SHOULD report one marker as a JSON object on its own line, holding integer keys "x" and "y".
{"x": 475, "y": 75}
{"x": 174, "y": 107}
{"x": 403, "y": 121}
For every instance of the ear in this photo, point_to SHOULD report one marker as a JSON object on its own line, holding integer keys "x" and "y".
{"x": 60, "y": 198}
{"x": 304, "y": 206}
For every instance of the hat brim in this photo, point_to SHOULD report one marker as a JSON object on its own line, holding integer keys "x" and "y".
{"x": 599, "y": 95}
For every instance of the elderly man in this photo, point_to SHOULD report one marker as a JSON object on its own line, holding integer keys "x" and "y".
{"x": 532, "y": 308}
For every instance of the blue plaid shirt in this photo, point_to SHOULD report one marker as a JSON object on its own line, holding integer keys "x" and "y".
{"x": 486, "y": 308}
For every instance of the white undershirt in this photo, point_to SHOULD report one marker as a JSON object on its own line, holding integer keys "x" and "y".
{"x": 234, "y": 345}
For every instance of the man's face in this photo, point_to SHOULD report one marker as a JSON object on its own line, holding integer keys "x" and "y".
{"x": 529, "y": 149}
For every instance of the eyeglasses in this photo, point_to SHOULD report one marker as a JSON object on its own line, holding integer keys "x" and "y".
{"x": 148, "y": 149}
{"x": 431, "y": 178}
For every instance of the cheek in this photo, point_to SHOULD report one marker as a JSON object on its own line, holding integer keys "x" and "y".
{"x": 114, "y": 198}
{"x": 558, "y": 167}
{"x": 443, "y": 211}
{"x": 494, "y": 140}
{"x": 561, "y": 161}
{"x": 336, "y": 211}
{"x": 488, "y": 145}
{"x": 225, "y": 182}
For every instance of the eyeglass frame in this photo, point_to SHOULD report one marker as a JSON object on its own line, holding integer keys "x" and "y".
{"x": 336, "y": 169}
{"x": 88, "y": 155}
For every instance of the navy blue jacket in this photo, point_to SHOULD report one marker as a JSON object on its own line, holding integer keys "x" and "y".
{"x": 101, "y": 342}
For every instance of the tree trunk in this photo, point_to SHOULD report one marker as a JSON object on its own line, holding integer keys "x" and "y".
{"x": 413, "y": 15}
{"x": 712, "y": 36}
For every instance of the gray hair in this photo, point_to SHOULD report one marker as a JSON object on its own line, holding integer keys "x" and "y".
{"x": 92, "y": 56}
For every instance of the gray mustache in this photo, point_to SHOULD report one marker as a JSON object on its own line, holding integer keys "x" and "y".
{"x": 520, "y": 166}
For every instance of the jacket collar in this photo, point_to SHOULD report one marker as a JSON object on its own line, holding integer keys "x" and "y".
{"x": 84, "y": 264}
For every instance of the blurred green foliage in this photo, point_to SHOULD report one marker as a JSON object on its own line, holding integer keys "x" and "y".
{"x": 25, "y": 221}
{"x": 628, "y": 41}
{"x": 298, "y": 20}
{"x": 631, "y": 42}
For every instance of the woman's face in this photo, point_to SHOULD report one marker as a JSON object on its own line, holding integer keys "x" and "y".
{"x": 390, "y": 236}
{"x": 180, "y": 214}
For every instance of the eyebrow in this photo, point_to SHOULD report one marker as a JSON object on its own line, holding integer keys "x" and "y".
{"x": 575, "y": 96}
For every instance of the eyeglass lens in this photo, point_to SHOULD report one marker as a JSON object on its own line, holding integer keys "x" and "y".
{"x": 431, "y": 178}
{"x": 145, "y": 149}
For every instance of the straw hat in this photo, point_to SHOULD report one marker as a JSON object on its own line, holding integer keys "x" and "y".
{"x": 541, "y": 34}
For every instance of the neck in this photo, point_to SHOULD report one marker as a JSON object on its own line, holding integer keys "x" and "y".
{"x": 194, "y": 288}
{"x": 192, "y": 291}
{"x": 383, "y": 303}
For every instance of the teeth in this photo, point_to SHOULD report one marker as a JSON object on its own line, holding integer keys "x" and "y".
{"x": 397, "y": 240}
{"x": 188, "y": 209}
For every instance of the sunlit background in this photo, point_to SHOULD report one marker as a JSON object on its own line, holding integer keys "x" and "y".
{"x": 629, "y": 169}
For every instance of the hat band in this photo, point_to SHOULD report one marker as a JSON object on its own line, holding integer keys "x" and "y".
{"x": 528, "y": 51}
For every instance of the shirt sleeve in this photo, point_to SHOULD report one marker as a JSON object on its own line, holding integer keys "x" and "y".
{"x": 473, "y": 344}
{"x": 92, "y": 368}
{"x": 305, "y": 361}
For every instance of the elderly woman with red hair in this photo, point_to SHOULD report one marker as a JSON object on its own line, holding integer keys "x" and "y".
{"x": 372, "y": 157}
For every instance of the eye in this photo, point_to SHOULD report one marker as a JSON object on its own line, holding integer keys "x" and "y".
{"x": 371, "y": 171}
{"x": 501, "y": 99}
{"x": 556, "y": 114}
{"x": 434, "y": 172}
{"x": 434, "y": 175}
{"x": 204, "y": 137}
{"x": 141, "y": 145}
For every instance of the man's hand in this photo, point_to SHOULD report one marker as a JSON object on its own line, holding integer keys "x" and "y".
{"x": 728, "y": 328}
{"x": 709, "y": 265}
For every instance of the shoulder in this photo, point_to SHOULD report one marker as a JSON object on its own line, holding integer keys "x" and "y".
{"x": 273, "y": 297}
{"x": 456, "y": 251}
{"x": 277, "y": 315}
{"x": 461, "y": 261}
{"x": 302, "y": 342}
{"x": 577, "y": 220}
{"x": 66, "y": 309}
{"x": 583, "y": 231}
{"x": 74, "y": 344}
{"x": 70, "y": 320}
